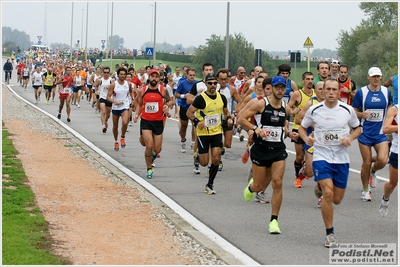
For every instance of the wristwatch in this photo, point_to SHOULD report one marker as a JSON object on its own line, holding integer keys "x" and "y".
{"x": 254, "y": 127}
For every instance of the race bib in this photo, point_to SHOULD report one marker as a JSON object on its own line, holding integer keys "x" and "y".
{"x": 66, "y": 90}
{"x": 213, "y": 120}
{"x": 151, "y": 107}
{"x": 273, "y": 134}
{"x": 375, "y": 115}
{"x": 38, "y": 80}
{"x": 49, "y": 80}
{"x": 332, "y": 137}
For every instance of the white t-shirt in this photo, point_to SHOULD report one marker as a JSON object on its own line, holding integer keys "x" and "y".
{"x": 37, "y": 79}
{"x": 331, "y": 125}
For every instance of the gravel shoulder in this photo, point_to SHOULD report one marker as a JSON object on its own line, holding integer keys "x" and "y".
{"x": 95, "y": 214}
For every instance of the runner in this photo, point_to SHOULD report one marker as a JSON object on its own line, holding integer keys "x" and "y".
{"x": 332, "y": 120}
{"x": 269, "y": 132}
{"x": 65, "y": 83}
{"x": 37, "y": 83}
{"x": 371, "y": 103}
{"x": 120, "y": 94}
{"x": 209, "y": 106}
{"x": 390, "y": 125}
{"x": 150, "y": 106}
{"x": 101, "y": 86}
{"x": 298, "y": 100}
{"x": 48, "y": 84}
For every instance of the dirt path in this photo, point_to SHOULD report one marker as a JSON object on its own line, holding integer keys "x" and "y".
{"x": 93, "y": 219}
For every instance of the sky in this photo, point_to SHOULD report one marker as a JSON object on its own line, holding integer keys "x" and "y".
{"x": 269, "y": 25}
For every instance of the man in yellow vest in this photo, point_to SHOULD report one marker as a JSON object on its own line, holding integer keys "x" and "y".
{"x": 210, "y": 108}
{"x": 48, "y": 84}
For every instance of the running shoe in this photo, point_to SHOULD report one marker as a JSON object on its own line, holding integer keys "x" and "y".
{"x": 247, "y": 194}
{"x": 123, "y": 142}
{"x": 191, "y": 145}
{"x": 320, "y": 201}
{"x": 383, "y": 208}
{"x": 298, "y": 183}
{"x": 183, "y": 147}
{"x": 196, "y": 158}
{"x": 196, "y": 169}
{"x": 220, "y": 166}
{"x": 366, "y": 196}
{"x": 59, "y": 116}
{"x": 68, "y": 120}
{"x": 208, "y": 169}
{"x": 274, "y": 227}
{"x": 116, "y": 146}
{"x": 153, "y": 164}
{"x": 246, "y": 155}
{"x": 223, "y": 151}
{"x": 330, "y": 241}
{"x": 209, "y": 189}
{"x": 79, "y": 106}
{"x": 154, "y": 154}
{"x": 238, "y": 129}
{"x": 261, "y": 197}
{"x": 241, "y": 138}
{"x": 149, "y": 174}
{"x": 317, "y": 191}
{"x": 373, "y": 181}
{"x": 104, "y": 129}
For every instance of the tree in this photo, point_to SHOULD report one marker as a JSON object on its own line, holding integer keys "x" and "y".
{"x": 19, "y": 38}
{"x": 381, "y": 52}
{"x": 381, "y": 14}
{"x": 117, "y": 42}
{"x": 241, "y": 52}
{"x": 373, "y": 42}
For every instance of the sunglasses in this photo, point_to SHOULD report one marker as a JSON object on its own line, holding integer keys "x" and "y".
{"x": 106, "y": 72}
{"x": 212, "y": 83}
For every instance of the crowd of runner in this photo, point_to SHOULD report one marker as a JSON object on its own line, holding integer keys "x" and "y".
{"x": 321, "y": 119}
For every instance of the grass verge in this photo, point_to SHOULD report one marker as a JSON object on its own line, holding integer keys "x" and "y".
{"x": 26, "y": 239}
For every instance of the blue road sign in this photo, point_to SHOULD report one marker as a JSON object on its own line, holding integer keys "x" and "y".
{"x": 102, "y": 46}
{"x": 149, "y": 51}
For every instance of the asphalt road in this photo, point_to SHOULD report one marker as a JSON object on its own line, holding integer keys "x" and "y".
{"x": 245, "y": 224}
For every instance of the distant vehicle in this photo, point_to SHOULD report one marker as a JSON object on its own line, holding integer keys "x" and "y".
{"x": 41, "y": 47}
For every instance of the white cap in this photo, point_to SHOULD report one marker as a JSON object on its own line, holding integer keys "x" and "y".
{"x": 374, "y": 71}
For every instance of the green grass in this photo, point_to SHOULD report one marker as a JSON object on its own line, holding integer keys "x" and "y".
{"x": 26, "y": 239}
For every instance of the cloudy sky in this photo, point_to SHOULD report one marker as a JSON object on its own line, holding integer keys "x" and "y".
{"x": 269, "y": 25}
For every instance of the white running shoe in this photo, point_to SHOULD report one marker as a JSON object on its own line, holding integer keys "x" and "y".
{"x": 183, "y": 147}
{"x": 373, "y": 181}
{"x": 366, "y": 196}
{"x": 261, "y": 197}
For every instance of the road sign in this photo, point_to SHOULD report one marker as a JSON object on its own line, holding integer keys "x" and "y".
{"x": 308, "y": 43}
{"x": 149, "y": 51}
{"x": 103, "y": 46}
{"x": 103, "y": 41}
{"x": 39, "y": 37}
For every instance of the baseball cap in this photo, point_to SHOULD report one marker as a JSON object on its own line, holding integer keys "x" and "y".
{"x": 278, "y": 80}
{"x": 335, "y": 62}
{"x": 211, "y": 76}
{"x": 154, "y": 71}
{"x": 374, "y": 71}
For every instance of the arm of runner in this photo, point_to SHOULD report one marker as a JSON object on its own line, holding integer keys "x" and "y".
{"x": 388, "y": 126}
